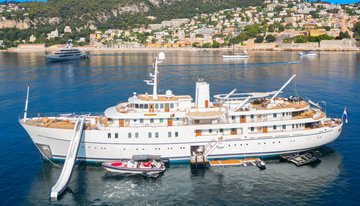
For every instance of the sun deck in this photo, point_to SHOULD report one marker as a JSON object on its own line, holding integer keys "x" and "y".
{"x": 163, "y": 98}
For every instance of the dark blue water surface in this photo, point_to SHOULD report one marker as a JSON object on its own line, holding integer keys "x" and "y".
{"x": 107, "y": 78}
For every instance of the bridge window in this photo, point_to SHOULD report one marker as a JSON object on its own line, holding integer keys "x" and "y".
{"x": 116, "y": 135}
{"x": 169, "y": 134}
{"x": 149, "y": 135}
{"x": 156, "y": 134}
{"x": 274, "y": 115}
{"x": 136, "y": 135}
{"x": 176, "y": 134}
{"x": 109, "y": 135}
{"x": 129, "y": 135}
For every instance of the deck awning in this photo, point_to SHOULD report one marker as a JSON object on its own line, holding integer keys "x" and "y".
{"x": 205, "y": 115}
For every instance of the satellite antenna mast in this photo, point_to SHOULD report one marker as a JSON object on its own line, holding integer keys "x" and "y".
{"x": 26, "y": 103}
{"x": 154, "y": 76}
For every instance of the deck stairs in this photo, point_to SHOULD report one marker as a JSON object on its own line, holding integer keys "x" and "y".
{"x": 70, "y": 160}
{"x": 210, "y": 147}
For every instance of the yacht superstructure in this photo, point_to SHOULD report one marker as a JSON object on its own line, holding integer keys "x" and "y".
{"x": 175, "y": 126}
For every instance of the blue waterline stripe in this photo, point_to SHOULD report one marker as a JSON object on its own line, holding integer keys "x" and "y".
{"x": 211, "y": 156}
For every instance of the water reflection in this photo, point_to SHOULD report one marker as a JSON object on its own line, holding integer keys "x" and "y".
{"x": 280, "y": 182}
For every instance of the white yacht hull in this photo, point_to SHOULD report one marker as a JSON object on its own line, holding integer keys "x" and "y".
{"x": 53, "y": 58}
{"x": 96, "y": 146}
{"x": 244, "y": 56}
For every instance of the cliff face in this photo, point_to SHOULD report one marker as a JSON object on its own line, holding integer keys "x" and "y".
{"x": 21, "y": 24}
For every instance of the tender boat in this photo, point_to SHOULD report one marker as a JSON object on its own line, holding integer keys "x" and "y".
{"x": 260, "y": 164}
{"x": 147, "y": 165}
{"x": 68, "y": 53}
{"x": 307, "y": 53}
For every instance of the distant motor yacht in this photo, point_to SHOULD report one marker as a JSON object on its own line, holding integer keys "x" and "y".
{"x": 243, "y": 55}
{"x": 307, "y": 53}
{"x": 68, "y": 53}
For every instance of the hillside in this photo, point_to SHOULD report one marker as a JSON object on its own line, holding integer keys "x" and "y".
{"x": 120, "y": 14}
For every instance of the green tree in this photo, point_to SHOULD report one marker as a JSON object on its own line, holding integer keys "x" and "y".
{"x": 300, "y": 39}
{"x": 259, "y": 39}
{"x": 270, "y": 38}
{"x": 356, "y": 30}
{"x": 215, "y": 44}
{"x": 343, "y": 35}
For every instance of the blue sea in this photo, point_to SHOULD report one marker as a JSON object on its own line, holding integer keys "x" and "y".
{"x": 110, "y": 77}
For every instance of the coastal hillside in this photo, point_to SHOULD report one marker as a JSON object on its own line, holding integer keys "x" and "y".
{"x": 121, "y": 14}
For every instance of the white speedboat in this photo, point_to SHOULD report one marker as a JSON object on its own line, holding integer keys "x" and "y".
{"x": 307, "y": 53}
{"x": 243, "y": 55}
{"x": 68, "y": 53}
{"x": 147, "y": 165}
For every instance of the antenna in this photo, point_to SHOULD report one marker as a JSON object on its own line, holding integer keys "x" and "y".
{"x": 26, "y": 103}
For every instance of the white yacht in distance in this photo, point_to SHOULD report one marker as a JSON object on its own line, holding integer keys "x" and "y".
{"x": 243, "y": 55}
{"x": 68, "y": 53}
{"x": 307, "y": 53}
{"x": 174, "y": 126}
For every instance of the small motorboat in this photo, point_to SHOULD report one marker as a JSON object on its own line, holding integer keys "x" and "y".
{"x": 146, "y": 165}
{"x": 303, "y": 159}
{"x": 307, "y": 53}
{"x": 260, "y": 164}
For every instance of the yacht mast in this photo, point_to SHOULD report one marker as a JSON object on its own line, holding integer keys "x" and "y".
{"x": 154, "y": 76}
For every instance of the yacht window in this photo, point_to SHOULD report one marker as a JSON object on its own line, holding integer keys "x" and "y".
{"x": 136, "y": 106}
{"x": 156, "y": 106}
{"x": 210, "y": 130}
{"x": 283, "y": 114}
{"x": 252, "y": 129}
{"x": 136, "y": 135}
{"x": 232, "y": 117}
{"x": 116, "y": 135}
{"x": 274, "y": 127}
{"x": 169, "y": 134}
{"x": 177, "y": 119}
{"x": 274, "y": 115}
{"x": 161, "y": 120}
{"x": 146, "y": 106}
{"x": 141, "y": 106}
{"x": 129, "y": 135}
{"x": 135, "y": 120}
{"x": 176, "y": 134}
{"x": 141, "y": 120}
{"x": 151, "y": 120}
{"x": 161, "y": 106}
{"x": 172, "y": 105}
{"x": 156, "y": 134}
{"x": 252, "y": 116}
{"x": 221, "y": 130}
{"x": 284, "y": 126}
{"x": 149, "y": 134}
{"x": 109, "y": 135}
